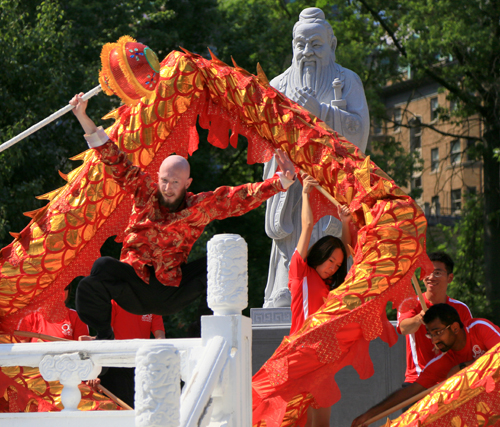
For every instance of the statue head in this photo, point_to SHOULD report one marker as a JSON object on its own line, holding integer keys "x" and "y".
{"x": 313, "y": 40}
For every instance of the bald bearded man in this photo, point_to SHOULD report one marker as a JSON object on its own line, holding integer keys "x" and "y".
{"x": 152, "y": 275}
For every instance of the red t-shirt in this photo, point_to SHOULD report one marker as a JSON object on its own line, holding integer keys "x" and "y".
{"x": 70, "y": 328}
{"x": 419, "y": 348}
{"x": 482, "y": 335}
{"x": 127, "y": 326}
{"x": 308, "y": 291}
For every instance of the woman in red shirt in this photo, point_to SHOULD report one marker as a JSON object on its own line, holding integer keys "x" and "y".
{"x": 314, "y": 273}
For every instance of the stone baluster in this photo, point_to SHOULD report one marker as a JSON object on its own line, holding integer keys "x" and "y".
{"x": 157, "y": 385}
{"x": 231, "y": 402}
{"x": 227, "y": 274}
{"x": 69, "y": 369}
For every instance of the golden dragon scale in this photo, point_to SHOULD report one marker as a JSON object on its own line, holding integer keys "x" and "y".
{"x": 63, "y": 239}
{"x": 470, "y": 398}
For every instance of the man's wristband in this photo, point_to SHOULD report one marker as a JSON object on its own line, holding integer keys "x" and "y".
{"x": 462, "y": 365}
{"x": 96, "y": 139}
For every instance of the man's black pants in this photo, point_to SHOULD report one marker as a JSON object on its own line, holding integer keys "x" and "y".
{"x": 111, "y": 279}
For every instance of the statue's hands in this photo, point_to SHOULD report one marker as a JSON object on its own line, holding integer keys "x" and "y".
{"x": 285, "y": 164}
{"x": 306, "y": 98}
{"x": 80, "y": 105}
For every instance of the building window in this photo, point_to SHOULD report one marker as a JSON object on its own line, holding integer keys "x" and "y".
{"x": 434, "y": 108}
{"x": 435, "y": 206}
{"x": 415, "y": 133}
{"x": 397, "y": 119}
{"x": 417, "y": 182}
{"x": 471, "y": 191}
{"x": 471, "y": 144}
{"x": 456, "y": 201}
{"x": 377, "y": 126}
{"x": 455, "y": 152}
{"x": 453, "y": 107}
{"x": 434, "y": 159}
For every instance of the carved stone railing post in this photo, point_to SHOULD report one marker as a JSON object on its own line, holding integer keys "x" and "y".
{"x": 231, "y": 402}
{"x": 157, "y": 385}
{"x": 69, "y": 369}
{"x": 227, "y": 274}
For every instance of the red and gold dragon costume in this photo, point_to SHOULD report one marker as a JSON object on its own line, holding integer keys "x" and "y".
{"x": 63, "y": 238}
{"x": 469, "y": 398}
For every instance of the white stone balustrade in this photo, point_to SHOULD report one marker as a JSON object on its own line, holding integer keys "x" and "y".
{"x": 70, "y": 370}
{"x": 216, "y": 368}
{"x": 157, "y": 386}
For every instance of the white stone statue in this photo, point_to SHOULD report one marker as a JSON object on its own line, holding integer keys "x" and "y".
{"x": 335, "y": 95}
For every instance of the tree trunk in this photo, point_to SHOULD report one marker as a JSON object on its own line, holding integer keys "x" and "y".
{"x": 492, "y": 222}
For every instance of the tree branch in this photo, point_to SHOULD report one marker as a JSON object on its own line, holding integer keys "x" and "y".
{"x": 283, "y": 6}
{"x": 427, "y": 70}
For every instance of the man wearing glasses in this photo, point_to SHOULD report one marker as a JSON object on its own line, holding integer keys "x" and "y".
{"x": 419, "y": 349}
{"x": 461, "y": 344}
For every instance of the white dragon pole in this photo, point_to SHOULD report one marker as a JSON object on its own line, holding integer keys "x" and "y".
{"x": 47, "y": 120}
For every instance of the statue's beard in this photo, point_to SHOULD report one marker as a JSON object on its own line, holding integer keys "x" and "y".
{"x": 308, "y": 72}
{"x": 312, "y": 72}
{"x": 309, "y": 75}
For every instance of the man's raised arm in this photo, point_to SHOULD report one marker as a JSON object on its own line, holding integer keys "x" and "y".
{"x": 80, "y": 111}
{"x": 411, "y": 325}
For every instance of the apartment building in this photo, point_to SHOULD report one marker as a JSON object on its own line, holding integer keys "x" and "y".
{"x": 422, "y": 121}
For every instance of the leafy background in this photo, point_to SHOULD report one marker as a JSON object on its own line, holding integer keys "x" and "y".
{"x": 50, "y": 51}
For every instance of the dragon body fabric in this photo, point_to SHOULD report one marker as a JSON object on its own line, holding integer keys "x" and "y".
{"x": 63, "y": 239}
{"x": 469, "y": 398}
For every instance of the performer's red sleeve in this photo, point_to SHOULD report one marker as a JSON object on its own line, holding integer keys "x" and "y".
{"x": 489, "y": 334}
{"x": 436, "y": 370}
{"x": 298, "y": 270}
{"x": 225, "y": 202}
{"x": 129, "y": 177}
{"x": 79, "y": 328}
{"x": 408, "y": 315}
{"x": 157, "y": 323}
{"x": 29, "y": 324}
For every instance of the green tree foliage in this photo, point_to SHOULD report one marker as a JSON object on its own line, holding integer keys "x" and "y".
{"x": 456, "y": 44}
{"x": 464, "y": 241}
{"x": 400, "y": 165}
{"x": 32, "y": 44}
{"x": 51, "y": 50}
{"x": 256, "y": 31}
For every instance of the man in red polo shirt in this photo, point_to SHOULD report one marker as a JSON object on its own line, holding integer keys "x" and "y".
{"x": 461, "y": 344}
{"x": 128, "y": 326}
{"x": 71, "y": 327}
{"x": 419, "y": 349}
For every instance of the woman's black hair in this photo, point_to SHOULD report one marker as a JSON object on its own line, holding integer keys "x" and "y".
{"x": 321, "y": 251}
